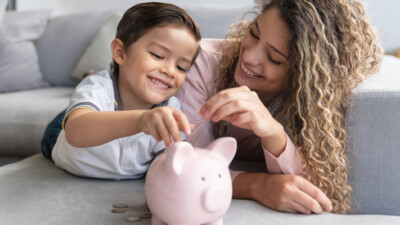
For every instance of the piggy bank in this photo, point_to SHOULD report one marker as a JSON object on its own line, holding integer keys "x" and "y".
{"x": 191, "y": 186}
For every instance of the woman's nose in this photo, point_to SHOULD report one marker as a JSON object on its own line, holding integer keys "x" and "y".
{"x": 253, "y": 55}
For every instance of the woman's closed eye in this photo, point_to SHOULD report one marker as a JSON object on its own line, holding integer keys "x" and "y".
{"x": 272, "y": 60}
{"x": 253, "y": 34}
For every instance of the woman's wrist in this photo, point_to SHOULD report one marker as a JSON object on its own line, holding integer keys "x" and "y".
{"x": 248, "y": 185}
{"x": 275, "y": 143}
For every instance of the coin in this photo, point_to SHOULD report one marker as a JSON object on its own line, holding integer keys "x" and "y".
{"x": 120, "y": 205}
{"x": 119, "y": 210}
{"x": 133, "y": 219}
{"x": 145, "y": 216}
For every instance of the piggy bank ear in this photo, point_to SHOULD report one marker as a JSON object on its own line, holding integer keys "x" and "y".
{"x": 177, "y": 154}
{"x": 226, "y": 147}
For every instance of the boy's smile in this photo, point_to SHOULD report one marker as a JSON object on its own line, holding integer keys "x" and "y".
{"x": 154, "y": 67}
{"x": 159, "y": 83}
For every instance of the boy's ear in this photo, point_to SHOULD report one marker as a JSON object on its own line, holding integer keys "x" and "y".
{"x": 117, "y": 50}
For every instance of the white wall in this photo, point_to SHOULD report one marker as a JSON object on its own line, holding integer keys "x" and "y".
{"x": 384, "y": 13}
{"x": 386, "y": 18}
{"x": 61, "y": 7}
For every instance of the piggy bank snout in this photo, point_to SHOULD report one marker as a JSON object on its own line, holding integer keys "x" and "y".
{"x": 216, "y": 198}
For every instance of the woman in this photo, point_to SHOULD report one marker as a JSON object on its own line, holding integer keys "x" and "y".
{"x": 281, "y": 88}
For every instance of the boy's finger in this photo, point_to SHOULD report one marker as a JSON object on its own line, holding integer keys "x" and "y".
{"x": 163, "y": 131}
{"x": 183, "y": 122}
{"x": 172, "y": 127}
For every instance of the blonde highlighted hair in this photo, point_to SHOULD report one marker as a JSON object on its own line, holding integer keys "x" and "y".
{"x": 333, "y": 46}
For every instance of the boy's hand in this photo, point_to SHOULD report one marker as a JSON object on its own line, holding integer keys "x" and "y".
{"x": 164, "y": 123}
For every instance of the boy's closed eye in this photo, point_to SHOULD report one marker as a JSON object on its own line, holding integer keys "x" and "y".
{"x": 180, "y": 68}
{"x": 155, "y": 55}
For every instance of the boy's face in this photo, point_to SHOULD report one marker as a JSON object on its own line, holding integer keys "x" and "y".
{"x": 154, "y": 67}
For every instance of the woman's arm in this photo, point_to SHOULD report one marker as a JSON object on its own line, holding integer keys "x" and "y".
{"x": 290, "y": 193}
{"x": 243, "y": 108}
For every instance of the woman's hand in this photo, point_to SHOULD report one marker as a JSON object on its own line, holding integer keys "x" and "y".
{"x": 287, "y": 193}
{"x": 243, "y": 108}
{"x": 164, "y": 123}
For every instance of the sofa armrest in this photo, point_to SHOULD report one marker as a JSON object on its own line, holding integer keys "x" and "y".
{"x": 373, "y": 125}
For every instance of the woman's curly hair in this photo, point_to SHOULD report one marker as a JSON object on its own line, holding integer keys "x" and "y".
{"x": 332, "y": 47}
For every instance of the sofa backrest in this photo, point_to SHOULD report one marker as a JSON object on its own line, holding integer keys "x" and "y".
{"x": 66, "y": 37}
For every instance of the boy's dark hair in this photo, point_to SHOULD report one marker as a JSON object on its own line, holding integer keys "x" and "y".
{"x": 140, "y": 18}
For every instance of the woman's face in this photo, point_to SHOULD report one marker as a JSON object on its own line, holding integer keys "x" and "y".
{"x": 263, "y": 58}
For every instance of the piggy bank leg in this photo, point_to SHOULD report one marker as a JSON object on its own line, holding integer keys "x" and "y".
{"x": 218, "y": 222}
{"x": 156, "y": 221}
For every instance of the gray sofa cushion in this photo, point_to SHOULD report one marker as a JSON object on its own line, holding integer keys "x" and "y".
{"x": 64, "y": 41}
{"x": 373, "y": 130}
{"x": 25, "y": 115}
{"x": 19, "y": 66}
{"x": 45, "y": 194}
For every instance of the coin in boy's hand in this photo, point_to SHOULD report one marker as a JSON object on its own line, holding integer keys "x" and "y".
{"x": 120, "y": 205}
{"x": 133, "y": 219}
{"x": 119, "y": 210}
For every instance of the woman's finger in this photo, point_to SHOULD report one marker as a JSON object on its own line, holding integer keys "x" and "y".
{"x": 298, "y": 208}
{"x": 222, "y": 98}
{"x": 232, "y": 107}
{"x": 307, "y": 202}
{"x": 316, "y": 194}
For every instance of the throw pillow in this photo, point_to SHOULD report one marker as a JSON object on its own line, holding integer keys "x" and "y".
{"x": 19, "y": 66}
{"x": 97, "y": 55}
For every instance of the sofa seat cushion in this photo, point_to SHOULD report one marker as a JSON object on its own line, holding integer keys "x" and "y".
{"x": 46, "y": 194}
{"x": 25, "y": 115}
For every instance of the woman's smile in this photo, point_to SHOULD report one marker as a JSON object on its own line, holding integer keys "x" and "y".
{"x": 247, "y": 73}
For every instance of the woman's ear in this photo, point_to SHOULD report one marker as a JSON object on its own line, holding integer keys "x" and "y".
{"x": 117, "y": 51}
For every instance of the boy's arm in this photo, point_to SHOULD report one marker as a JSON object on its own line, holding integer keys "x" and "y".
{"x": 86, "y": 128}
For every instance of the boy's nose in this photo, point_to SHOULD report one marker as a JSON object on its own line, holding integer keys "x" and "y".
{"x": 168, "y": 69}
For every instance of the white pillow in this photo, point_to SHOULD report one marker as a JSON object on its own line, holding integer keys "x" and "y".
{"x": 19, "y": 63}
{"x": 97, "y": 55}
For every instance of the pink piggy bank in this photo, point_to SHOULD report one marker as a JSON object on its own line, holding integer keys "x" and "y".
{"x": 191, "y": 186}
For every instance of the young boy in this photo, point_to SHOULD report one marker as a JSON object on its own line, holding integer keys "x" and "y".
{"x": 116, "y": 123}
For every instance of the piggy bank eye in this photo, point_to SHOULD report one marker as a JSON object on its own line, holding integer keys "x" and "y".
{"x": 219, "y": 176}
{"x": 203, "y": 178}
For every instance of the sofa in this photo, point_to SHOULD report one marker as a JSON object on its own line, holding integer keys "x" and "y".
{"x": 34, "y": 191}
